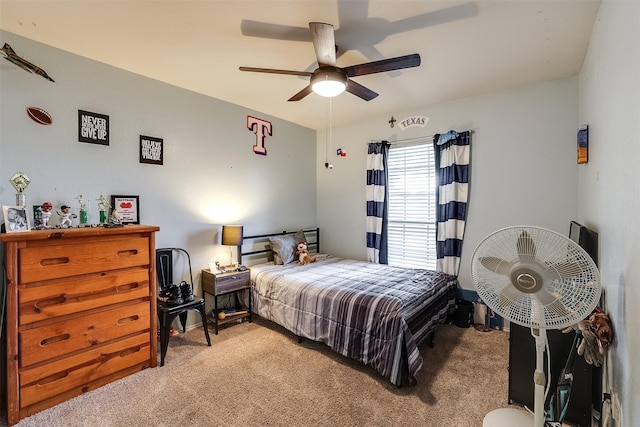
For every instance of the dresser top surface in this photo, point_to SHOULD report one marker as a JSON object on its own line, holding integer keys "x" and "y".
{"x": 58, "y": 233}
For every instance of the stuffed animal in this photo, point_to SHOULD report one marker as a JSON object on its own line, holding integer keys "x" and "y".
{"x": 596, "y": 336}
{"x": 303, "y": 254}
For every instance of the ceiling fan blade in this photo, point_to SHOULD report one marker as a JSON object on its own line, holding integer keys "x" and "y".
{"x": 274, "y": 31}
{"x": 360, "y": 91}
{"x": 526, "y": 248}
{"x": 275, "y": 71}
{"x": 497, "y": 265}
{"x": 324, "y": 43}
{"x": 397, "y": 63}
{"x": 298, "y": 96}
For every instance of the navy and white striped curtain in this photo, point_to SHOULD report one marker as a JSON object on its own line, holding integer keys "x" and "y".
{"x": 377, "y": 202}
{"x": 452, "y": 153}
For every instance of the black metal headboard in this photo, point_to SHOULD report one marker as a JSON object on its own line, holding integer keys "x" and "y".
{"x": 257, "y": 247}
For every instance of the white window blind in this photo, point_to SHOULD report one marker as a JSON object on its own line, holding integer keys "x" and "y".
{"x": 412, "y": 205}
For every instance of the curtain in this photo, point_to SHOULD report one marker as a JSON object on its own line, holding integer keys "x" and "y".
{"x": 377, "y": 202}
{"x": 452, "y": 155}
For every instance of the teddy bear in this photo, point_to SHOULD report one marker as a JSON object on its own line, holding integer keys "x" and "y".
{"x": 303, "y": 254}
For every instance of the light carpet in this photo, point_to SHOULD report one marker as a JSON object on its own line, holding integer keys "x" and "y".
{"x": 257, "y": 374}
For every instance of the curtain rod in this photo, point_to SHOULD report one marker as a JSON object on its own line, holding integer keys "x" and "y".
{"x": 415, "y": 138}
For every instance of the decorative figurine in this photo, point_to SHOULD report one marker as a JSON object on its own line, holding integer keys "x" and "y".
{"x": 83, "y": 210}
{"x": 66, "y": 221}
{"x": 104, "y": 206}
{"x": 46, "y": 213}
{"x": 114, "y": 220}
{"x": 20, "y": 182}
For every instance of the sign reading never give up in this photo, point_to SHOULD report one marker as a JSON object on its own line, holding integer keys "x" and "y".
{"x": 93, "y": 128}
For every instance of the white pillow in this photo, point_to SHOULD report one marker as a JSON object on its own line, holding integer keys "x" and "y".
{"x": 284, "y": 247}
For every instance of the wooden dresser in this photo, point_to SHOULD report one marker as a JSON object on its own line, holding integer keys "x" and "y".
{"x": 80, "y": 312}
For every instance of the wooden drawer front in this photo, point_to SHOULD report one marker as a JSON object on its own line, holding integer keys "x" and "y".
{"x": 79, "y": 294}
{"x": 231, "y": 283}
{"x": 49, "y": 380}
{"x": 56, "y": 339}
{"x": 64, "y": 260}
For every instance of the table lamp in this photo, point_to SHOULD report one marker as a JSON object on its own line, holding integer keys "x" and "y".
{"x": 232, "y": 236}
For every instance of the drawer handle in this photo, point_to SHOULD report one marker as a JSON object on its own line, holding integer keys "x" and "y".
{"x": 56, "y": 339}
{"x": 48, "y": 302}
{"x": 54, "y": 261}
{"x": 128, "y": 319}
{"x": 127, "y": 253}
{"x": 129, "y": 351}
{"x": 128, "y": 287}
{"x": 54, "y": 377}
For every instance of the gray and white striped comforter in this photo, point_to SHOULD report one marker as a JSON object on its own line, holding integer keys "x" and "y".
{"x": 373, "y": 313}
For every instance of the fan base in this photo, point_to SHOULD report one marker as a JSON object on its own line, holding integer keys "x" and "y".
{"x": 507, "y": 417}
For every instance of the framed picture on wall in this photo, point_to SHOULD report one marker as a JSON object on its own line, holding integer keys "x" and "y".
{"x": 151, "y": 150}
{"x": 93, "y": 127}
{"x": 16, "y": 219}
{"x": 583, "y": 144}
{"x": 128, "y": 208}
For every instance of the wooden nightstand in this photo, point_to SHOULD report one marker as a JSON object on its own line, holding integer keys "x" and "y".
{"x": 222, "y": 284}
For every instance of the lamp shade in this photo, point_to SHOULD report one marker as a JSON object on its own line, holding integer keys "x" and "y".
{"x": 232, "y": 235}
{"x": 328, "y": 81}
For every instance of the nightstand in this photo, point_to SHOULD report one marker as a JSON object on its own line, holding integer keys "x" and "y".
{"x": 222, "y": 284}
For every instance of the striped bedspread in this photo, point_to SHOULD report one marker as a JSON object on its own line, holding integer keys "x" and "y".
{"x": 373, "y": 313}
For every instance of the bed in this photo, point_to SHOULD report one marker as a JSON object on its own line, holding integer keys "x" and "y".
{"x": 376, "y": 314}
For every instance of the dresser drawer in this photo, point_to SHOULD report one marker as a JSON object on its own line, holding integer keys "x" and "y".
{"x": 73, "y": 295}
{"x": 56, "y": 339}
{"x": 52, "y": 379}
{"x": 232, "y": 282}
{"x": 39, "y": 263}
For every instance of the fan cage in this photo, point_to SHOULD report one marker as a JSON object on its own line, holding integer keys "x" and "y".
{"x": 577, "y": 295}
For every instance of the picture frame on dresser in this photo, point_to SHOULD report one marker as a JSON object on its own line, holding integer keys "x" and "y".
{"x": 128, "y": 208}
{"x": 16, "y": 219}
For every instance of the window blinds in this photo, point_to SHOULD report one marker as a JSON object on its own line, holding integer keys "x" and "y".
{"x": 412, "y": 205}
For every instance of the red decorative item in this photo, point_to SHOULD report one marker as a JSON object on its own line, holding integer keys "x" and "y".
{"x": 39, "y": 116}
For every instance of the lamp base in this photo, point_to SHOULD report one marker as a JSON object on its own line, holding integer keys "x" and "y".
{"x": 508, "y": 417}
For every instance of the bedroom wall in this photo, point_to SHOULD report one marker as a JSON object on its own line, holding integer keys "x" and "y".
{"x": 609, "y": 195}
{"x": 523, "y": 168}
{"x": 210, "y": 174}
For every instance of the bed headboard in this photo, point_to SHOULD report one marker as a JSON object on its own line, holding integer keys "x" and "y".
{"x": 256, "y": 249}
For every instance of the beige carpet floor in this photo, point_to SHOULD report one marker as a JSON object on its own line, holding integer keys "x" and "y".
{"x": 257, "y": 374}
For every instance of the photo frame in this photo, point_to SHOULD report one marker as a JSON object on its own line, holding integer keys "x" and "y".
{"x": 151, "y": 150}
{"x": 16, "y": 219}
{"x": 583, "y": 144}
{"x": 128, "y": 208}
{"x": 93, "y": 127}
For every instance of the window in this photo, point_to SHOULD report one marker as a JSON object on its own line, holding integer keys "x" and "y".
{"x": 412, "y": 205}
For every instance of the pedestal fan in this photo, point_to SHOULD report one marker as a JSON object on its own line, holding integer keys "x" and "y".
{"x": 539, "y": 279}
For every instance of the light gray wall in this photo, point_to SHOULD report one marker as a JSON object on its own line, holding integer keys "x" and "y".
{"x": 210, "y": 174}
{"x": 523, "y": 168}
{"x": 608, "y": 184}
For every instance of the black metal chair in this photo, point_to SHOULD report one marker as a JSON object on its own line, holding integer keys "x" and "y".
{"x": 168, "y": 312}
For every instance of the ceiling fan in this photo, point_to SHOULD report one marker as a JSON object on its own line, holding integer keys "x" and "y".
{"x": 328, "y": 79}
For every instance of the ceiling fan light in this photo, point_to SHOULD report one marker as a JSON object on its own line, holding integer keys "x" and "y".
{"x": 328, "y": 82}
